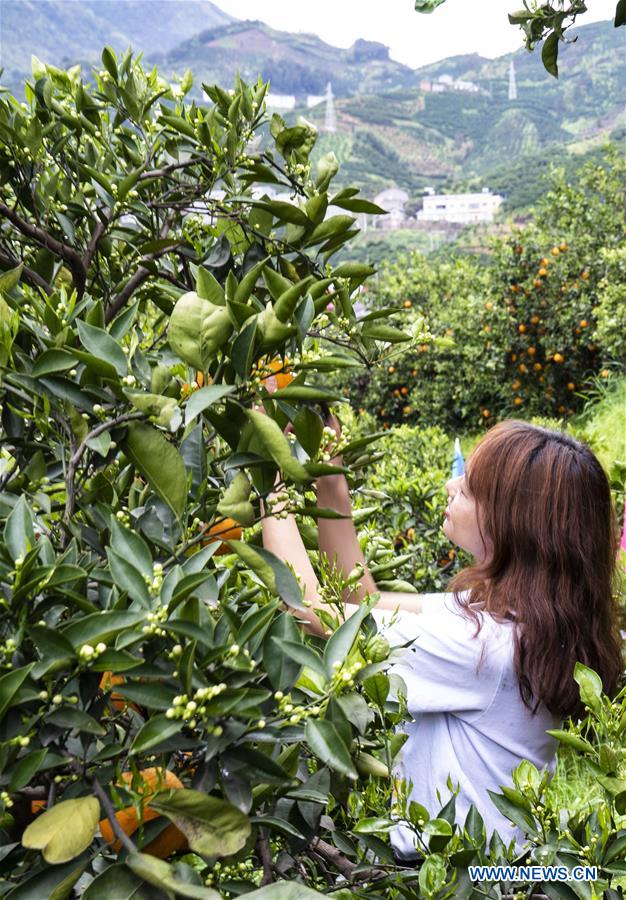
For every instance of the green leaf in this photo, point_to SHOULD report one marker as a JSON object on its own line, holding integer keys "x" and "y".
{"x": 374, "y": 826}
{"x": 590, "y": 685}
{"x": 25, "y": 769}
{"x": 164, "y": 410}
{"x": 359, "y": 205}
{"x": 10, "y": 685}
{"x": 235, "y": 503}
{"x": 154, "y": 732}
{"x": 327, "y": 168}
{"x": 109, "y": 63}
{"x": 101, "y": 626}
{"x": 131, "y": 546}
{"x": 279, "y": 825}
{"x": 427, "y": 6}
{"x": 272, "y": 571}
{"x": 277, "y": 445}
{"x": 550, "y": 52}
{"x": 53, "y": 361}
{"x": 209, "y": 288}
{"x": 213, "y": 827}
{"x": 353, "y": 270}
{"x": 100, "y": 343}
{"x": 324, "y": 741}
{"x": 340, "y": 643}
{"x": 162, "y": 875}
{"x": 205, "y": 397}
{"x": 19, "y": 535}
{"x": 300, "y": 653}
{"x": 52, "y": 883}
{"x": 305, "y": 392}
{"x": 10, "y": 279}
{"x": 128, "y": 578}
{"x": 150, "y": 694}
{"x": 198, "y": 329}
{"x": 377, "y": 688}
{"x": 159, "y": 462}
{"x": 381, "y": 332}
{"x": 284, "y": 890}
{"x": 118, "y": 883}
{"x": 308, "y": 426}
{"x": 282, "y": 669}
{"x": 572, "y": 740}
{"x": 70, "y": 717}
{"x": 65, "y": 830}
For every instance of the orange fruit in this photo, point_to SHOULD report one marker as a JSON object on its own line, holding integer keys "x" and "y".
{"x": 407, "y": 304}
{"x": 226, "y": 530}
{"x": 488, "y": 305}
{"x": 513, "y": 357}
{"x": 514, "y": 288}
{"x": 170, "y": 841}
{"x": 543, "y": 272}
{"x": 406, "y": 410}
{"x": 537, "y": 367}
{"x": 396, "y": 392}
{"x": 563, "y": 247}
{"x": 605, "y": 373}
{"x": 535, "y": 320}
{"x": 414, "y": 373}
{"x": 106, "y": 682}
{"x": 531, "y": 351}
{"x": 584, "y": 323}
{"x": 585, "y": 275}
{"x": 522, "y": 368}
{"x": 545, "y": 261}
{"x": 558, "y": 358}
{"x": 391, "y": 369}
{"x": 518, "y": 401}
{"x": 279, "y": 375}
{"x": 199, "y": 378}
{"x": 404, "y": 391}
{"x": 555, "y": 251}
{"x": 154, "y": 779}
{"x": 570, "y": 385}
{"x": 521, "y": 328}
{"x": 537, "y": 282}
{"x": 486, "y": 413}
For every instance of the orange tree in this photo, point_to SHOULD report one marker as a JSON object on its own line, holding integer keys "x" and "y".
{"x": 149, "y": 286}
{"x": 166, "y": 729}
{"x": 523, "y": 331}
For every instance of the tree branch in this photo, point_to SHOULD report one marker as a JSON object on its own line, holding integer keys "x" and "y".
{"x": 77, "y": 456}
{"x": 127, "y": 291}
{"x": 333, "y": 856}
{"x": 41, "y": 237}
{"x": 107, "y": 806}
{"x": 29, "y": 274}
{"x": 265, "y": 856}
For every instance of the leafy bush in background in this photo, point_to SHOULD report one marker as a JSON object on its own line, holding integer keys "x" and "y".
{"x": 526, "y": 333}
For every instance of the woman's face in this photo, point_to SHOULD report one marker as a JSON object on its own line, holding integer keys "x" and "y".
{"x": 461, "y": 520}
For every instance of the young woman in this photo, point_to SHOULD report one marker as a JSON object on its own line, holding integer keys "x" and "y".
{"x": 488, "y": 667}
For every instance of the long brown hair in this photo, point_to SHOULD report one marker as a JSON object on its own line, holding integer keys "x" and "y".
{"x": 545, "y": 505}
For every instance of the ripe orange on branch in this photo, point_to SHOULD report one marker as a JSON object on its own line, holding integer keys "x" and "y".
{"x": 224, "y": 530}
{"x": 150, "y": 780}
{"x": 278, "y": 376}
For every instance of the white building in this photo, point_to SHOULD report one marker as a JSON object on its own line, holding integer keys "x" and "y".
{"x": 463, "y": 208}
{"x": 468, "y": 86}
{"x": 393, "y": 200}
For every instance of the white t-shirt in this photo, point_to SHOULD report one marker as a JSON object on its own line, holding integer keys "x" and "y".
{"x": 471, "y": 725}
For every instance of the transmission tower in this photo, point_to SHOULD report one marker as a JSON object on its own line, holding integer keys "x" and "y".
{"x": 330, "y": 118}
{"x": 512, "y": 82}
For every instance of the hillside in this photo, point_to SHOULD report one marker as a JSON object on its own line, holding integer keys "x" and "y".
{"x": 293, "y": 63}
{"x": 65, "y": 33}
{"x": 414, "y": 138}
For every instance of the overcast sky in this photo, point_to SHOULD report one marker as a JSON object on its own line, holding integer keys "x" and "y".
{"x": 459, "y": 26}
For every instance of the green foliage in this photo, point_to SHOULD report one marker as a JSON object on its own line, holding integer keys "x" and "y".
{"x": 148, "y": 288}
{"x": 527, "y": 332}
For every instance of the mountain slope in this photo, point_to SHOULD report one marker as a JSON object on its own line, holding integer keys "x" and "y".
{"x": 64, "y": 33}
{"x": 293, "y": 63}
